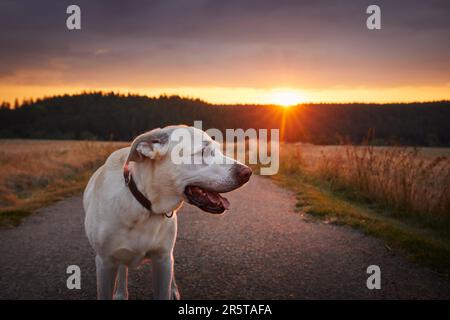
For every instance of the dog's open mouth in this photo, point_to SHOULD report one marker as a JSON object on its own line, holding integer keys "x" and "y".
{"x": 206, "y": 200}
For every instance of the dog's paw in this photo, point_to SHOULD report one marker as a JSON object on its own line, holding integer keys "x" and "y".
{"x": 175, "y": 295}
{"x": 120, "y": 296}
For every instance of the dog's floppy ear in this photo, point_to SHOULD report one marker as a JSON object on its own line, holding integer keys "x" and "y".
{"x": 149, "y": 145}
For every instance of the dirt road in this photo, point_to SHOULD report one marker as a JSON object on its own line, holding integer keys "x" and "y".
{"x": 260, "y": 249}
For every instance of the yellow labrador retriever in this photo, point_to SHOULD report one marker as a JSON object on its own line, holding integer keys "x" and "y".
{"x": 131, "y": 203}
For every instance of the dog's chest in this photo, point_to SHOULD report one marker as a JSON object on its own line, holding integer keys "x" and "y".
{"x": 139, "y": 240}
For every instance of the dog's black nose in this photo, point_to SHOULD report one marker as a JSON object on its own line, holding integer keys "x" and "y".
{"x": 243, "y": 173}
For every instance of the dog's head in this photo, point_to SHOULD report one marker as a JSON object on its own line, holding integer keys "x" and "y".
{"x": 184, "y": 163}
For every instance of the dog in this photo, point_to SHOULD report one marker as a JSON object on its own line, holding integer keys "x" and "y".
{"x": 131, "y": 203}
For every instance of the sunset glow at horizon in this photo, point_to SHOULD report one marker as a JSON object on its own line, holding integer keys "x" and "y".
{"x": 217, "y": 95}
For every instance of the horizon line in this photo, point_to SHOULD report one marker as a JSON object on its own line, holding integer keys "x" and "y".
{"x": 21, "y": 102}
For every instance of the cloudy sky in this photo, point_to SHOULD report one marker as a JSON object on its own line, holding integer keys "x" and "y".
{"x": 228, "y": 51}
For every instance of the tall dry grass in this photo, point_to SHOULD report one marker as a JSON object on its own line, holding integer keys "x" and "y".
{"x": 29, "y": 166}
{"x": 400, "y": 177}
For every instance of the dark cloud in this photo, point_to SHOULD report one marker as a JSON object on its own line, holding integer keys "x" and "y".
{"x": 252, "y": 43}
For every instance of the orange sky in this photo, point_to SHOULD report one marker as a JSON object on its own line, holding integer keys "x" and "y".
{"x": 253, "y": 51}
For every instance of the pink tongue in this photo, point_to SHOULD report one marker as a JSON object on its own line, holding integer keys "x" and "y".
{"x": 225, "y": 203}
{"x": 216, "y": 198}
{"x": 212, "y": 196}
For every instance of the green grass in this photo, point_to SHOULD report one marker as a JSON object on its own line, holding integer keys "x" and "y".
{"x": 423, "y": 241}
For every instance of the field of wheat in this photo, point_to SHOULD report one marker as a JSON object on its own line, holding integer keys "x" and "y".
{"x": 409, "y": 179}
{"x": 36, "y": 172}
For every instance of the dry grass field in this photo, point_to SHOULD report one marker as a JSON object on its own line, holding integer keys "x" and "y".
{"x": 416, "y": 180}
{"x": 34, "y": 173}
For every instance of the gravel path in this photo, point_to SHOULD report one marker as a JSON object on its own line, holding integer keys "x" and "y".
{"x": 260, "y": 249}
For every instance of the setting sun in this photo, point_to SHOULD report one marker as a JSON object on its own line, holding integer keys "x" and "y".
{"x": 286, "y": 98}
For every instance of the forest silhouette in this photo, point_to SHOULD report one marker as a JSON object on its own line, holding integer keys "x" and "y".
{"x": 112, "y": 116}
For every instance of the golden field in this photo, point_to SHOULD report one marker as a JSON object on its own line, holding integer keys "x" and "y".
{"x": 417, "y": 180}
{"x": 34, "y": 173}
{"x": 405, "y": 178}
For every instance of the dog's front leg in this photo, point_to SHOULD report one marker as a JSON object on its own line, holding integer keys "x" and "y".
{"x": 121, "y": 283}
{"x": 106, "y": 278}
{"x": 162, "y": 276}
{"x": 175, "y": 293}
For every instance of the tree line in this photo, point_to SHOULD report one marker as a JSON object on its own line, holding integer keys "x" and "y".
{"x": 111, "y": 116}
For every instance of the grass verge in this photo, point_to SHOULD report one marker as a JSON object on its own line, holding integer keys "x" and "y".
{"x": 425, "y": 245}
{"x": 40, "y": 198}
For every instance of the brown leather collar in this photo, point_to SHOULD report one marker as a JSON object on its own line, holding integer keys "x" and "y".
{"x": 139, "y": 196}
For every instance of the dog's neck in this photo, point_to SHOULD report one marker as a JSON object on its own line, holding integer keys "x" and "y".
{"x": 162, "y": 195}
